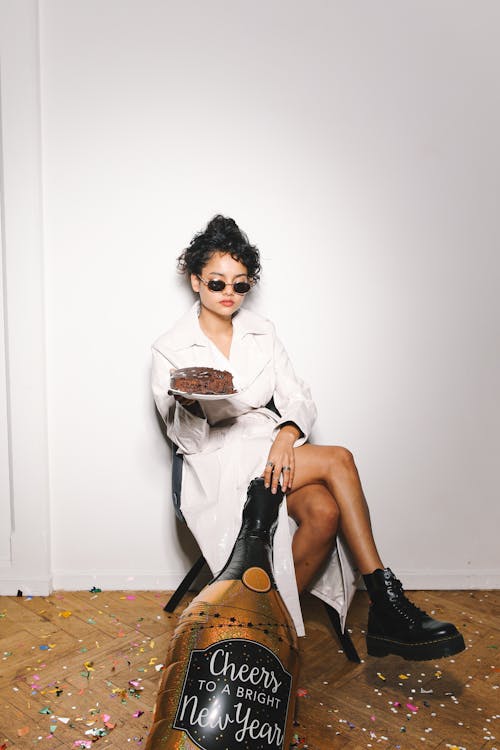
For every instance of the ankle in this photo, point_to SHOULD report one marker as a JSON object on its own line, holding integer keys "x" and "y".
{"x": 381, "y": 582}
{"x": 371, "y": 571}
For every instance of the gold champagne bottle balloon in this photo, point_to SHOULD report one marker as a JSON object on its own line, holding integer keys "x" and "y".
{"x": 230, "y": 674}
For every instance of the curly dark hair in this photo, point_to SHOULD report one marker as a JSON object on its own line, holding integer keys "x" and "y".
{"x": 222, "y": 235}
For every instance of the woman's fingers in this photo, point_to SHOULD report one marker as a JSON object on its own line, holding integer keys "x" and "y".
{"x": 183, "y": 400}
{"x": 276, "y": 476}
{"x": 282, "y": 470}
{"x": 288, "y": 474}
{"x": 268, "y": 471}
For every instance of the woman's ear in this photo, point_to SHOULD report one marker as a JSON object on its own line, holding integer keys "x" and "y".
{"x": 195, "y": 283}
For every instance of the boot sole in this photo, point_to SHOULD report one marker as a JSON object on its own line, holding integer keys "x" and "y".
{"x": 424, "y": 651}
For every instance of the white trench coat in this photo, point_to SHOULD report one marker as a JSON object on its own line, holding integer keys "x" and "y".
{"x": 225, "y": 450}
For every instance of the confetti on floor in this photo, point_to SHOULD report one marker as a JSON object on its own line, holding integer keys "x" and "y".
{"x": 83, "y": 671}
{"x": 426, "y": 704}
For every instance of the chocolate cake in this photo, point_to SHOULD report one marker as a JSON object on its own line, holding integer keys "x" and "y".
{"x": 204, "y": 380}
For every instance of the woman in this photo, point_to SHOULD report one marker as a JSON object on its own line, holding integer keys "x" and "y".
{"x": 263, "y": 430}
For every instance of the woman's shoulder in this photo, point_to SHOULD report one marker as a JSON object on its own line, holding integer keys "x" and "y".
{"x": 182, "y": 333}
{"x": 249, "y": 321}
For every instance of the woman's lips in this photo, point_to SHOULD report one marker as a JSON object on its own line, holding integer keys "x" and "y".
{"x": 227, "y": 303}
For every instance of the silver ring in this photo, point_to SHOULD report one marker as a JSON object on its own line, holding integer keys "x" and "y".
{"x": 270, "y": 463}
{"x": 286, "y": 468}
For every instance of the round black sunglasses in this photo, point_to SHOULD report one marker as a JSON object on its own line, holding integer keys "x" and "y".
{"x": 217, "y": 285}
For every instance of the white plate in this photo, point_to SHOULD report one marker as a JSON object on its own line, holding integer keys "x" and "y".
{"x": 203, "y": 396}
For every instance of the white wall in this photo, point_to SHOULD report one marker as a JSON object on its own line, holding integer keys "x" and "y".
{"x": 5, "y": 468}
{"x": 24, "y": 489}
{"x": 358, "y": 145}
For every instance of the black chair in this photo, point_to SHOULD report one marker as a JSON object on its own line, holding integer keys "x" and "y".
{"x": 190, "y": 577}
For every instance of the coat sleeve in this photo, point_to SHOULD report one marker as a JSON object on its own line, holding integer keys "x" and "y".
{"x": 188, "y": 431}
{"x": 292, "y": 396}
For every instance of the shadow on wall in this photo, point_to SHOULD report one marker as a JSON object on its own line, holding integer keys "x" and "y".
{"x": 187, "y": 542}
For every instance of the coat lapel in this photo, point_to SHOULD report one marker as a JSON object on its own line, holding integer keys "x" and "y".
{"x": 252, "y": 345}
{"x": 251, "y": 349}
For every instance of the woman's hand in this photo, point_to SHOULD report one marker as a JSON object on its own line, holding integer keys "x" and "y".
{"x": 183, "y": 401}
{"x": 281, "y": 459}
{"x": 190, "y": 404}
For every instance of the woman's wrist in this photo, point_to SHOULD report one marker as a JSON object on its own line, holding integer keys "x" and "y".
{"x": 194, "y": 408}
{"x": 291, "y": 429}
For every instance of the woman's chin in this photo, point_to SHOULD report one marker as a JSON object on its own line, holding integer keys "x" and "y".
{"x": 222, "y": 311}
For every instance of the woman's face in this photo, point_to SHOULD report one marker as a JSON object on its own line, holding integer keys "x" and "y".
{"x": 221, "y": 266}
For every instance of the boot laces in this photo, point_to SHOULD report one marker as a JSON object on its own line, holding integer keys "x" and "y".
{"x": 401, "y": 603}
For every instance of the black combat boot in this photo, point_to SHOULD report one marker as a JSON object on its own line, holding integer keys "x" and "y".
{"x": 396, "y": 626}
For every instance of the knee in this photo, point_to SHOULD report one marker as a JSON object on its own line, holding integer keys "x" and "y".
{"x": 322, "y": 513}
{"x": 341, "y": 459}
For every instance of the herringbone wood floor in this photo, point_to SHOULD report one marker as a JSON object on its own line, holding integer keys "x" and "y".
{"x": 81, "y": 668}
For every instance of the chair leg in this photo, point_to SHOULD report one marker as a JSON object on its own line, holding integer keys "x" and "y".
{"x": 184, "y": 585}
{"x": 344, "y": 638}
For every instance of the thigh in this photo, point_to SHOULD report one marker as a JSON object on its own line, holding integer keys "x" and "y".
{"x": 299, "y": 501}
{"x": 314, "y": 463}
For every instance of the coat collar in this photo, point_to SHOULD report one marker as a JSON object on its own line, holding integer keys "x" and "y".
{"x": 187, "y": 331}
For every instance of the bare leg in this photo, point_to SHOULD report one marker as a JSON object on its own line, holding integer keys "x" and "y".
{"x": 395, "y": 625}
{"x": 334, "y": 467}
{"x": 315, "y": 511}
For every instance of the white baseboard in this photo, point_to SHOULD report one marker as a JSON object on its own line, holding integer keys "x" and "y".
{"x": 29, "y": 585}
{"x": 449, "y": 580}
{"x": 168, "y": 580}
{"x": 446, "y": 580}
{"x": 115, "y": 580}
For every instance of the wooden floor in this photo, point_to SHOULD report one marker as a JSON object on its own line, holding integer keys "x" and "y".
{"x": 83, "y": 668}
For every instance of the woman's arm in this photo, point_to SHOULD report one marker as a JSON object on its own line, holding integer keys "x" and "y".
{"x": 298, "y": 412}
{"x": 292, "y": 396}
{"x": 281, "y": 459}
{"x": 186, "y": 424}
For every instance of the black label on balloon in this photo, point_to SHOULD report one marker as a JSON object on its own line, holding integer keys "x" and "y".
{"x": 235, "y": 695}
